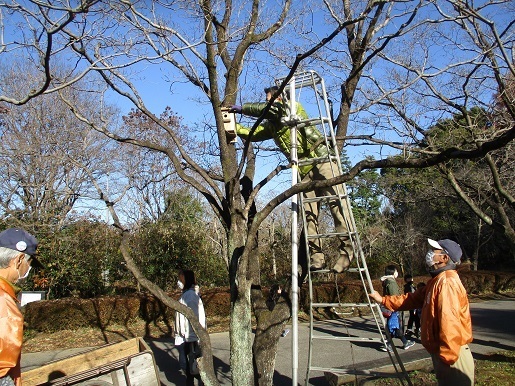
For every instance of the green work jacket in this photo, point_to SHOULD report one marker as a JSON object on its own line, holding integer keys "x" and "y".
{"x": 310, "y": 142}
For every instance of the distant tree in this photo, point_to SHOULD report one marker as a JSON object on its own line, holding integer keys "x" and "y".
{"x": 468, "y": 200}
{"x": 365, "y": 195}
{"x": 486, "y": 184}
{"x": 47, "y": 155}
{"x": 149, "y": 176}
{"x": 178, "y": 240}
{"x": 275, "y": 247}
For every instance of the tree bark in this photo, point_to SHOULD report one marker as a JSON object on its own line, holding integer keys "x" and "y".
{"x": 271, "y": 316}
{"x": 240, "y": 333}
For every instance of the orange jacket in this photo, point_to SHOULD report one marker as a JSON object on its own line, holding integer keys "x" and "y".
{"x": 11, "y": 332}
{"x": 445, "y": 320}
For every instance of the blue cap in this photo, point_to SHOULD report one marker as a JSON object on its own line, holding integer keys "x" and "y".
{"x": 19, "y": 240}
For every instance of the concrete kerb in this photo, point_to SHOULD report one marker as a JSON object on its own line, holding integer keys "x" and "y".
{"x": 387, "y": 371}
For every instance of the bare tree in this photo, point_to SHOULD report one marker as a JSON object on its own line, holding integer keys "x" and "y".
{"x": 149, "y": 174}
{"x": 486, "y": 188}
{"x": 45, "y": 153}
{"x": 390, "y": 81}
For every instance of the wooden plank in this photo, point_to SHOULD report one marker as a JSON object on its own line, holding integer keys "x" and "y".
{"x": 82, "y": 362}
{"x": 141, "y": 371}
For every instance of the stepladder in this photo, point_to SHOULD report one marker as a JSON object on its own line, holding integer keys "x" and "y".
{"x": 338, "y": 347}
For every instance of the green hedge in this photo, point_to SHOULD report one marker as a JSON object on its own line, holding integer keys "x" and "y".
{"x": 73, "y": 313}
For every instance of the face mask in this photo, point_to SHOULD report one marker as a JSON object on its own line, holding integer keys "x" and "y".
{"x": 429, "y": 259}
{"x": 24, "y": 276}
{"x": 180, "y": 285}
{"x": 395, "y": 275}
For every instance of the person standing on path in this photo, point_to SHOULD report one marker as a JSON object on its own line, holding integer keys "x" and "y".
{"x": 183, "y": 329}
{"x": 446, "y": 326}
{"x": 17, "y": 250}
{"x": 413, "y": 316}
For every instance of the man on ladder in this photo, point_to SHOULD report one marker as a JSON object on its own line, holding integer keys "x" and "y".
{"x": 301, "y": 140}
{"x": 311, "y": 145}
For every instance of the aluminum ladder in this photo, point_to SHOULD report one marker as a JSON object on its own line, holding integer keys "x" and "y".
{"x": 312, "y": 85}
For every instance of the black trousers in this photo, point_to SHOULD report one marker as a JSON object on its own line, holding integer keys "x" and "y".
{"x": 191, "y": 348}
{"x": 413, "y": 318}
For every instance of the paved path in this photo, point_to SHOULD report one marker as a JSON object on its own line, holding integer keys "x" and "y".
{"x": 492, "y": 321}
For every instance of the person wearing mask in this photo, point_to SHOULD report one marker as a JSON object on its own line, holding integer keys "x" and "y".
{"x": 185, "y": 337}
{"x": 393, "y": 324}
{"x": 446, "y": 326}
{"x": 17, "y": 251}
{"x": 310, "y": 144}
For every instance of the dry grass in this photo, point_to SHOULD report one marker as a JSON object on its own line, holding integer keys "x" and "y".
{"x": 92, "y": 337}
{"x": 496, "y": 369}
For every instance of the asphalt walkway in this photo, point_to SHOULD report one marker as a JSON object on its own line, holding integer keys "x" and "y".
{"x": 493, "y": 329}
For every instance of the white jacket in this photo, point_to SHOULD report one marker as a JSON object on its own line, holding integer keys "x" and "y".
{"x": 183, "y": 328}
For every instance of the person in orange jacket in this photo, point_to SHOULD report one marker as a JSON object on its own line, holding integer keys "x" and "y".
{"x": 17, "y": 250}
{"x": 446, "y": 327}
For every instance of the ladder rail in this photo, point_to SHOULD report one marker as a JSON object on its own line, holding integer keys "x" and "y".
{"x": 325, "y": 125}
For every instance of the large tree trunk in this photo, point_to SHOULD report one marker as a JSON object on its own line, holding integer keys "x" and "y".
{"x": 240, "y": 329}
{"x": 271, "y": 316}
{"x": 241, "y": 337}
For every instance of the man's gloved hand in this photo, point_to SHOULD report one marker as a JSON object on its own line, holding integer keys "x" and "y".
{"x": 235, "y": 109}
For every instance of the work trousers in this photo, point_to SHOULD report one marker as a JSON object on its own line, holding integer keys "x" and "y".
{"x": 312, "y": 209}
{"x": 460, "y": 373}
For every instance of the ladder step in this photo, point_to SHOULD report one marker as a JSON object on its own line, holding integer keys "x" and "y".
{"x": 330, "y": 234}
{"x": 324, "y": 270}
{"x": 331, "y": 271}
{"x": 347, "y": 338}
{"x": 355, "y": 270}
{"x": 304, "y": 79}
{"x": 305, "y": 122}
{"x": 323, "y": 305}
{"x": 333, "y": 197}
{"x": 316, "y": 160}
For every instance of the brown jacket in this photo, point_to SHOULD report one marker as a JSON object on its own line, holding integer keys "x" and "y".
{"x": 445, "y": 319}
{"x": 11, "y": 332}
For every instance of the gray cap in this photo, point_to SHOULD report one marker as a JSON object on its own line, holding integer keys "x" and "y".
{"x": 451, "y": 248}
